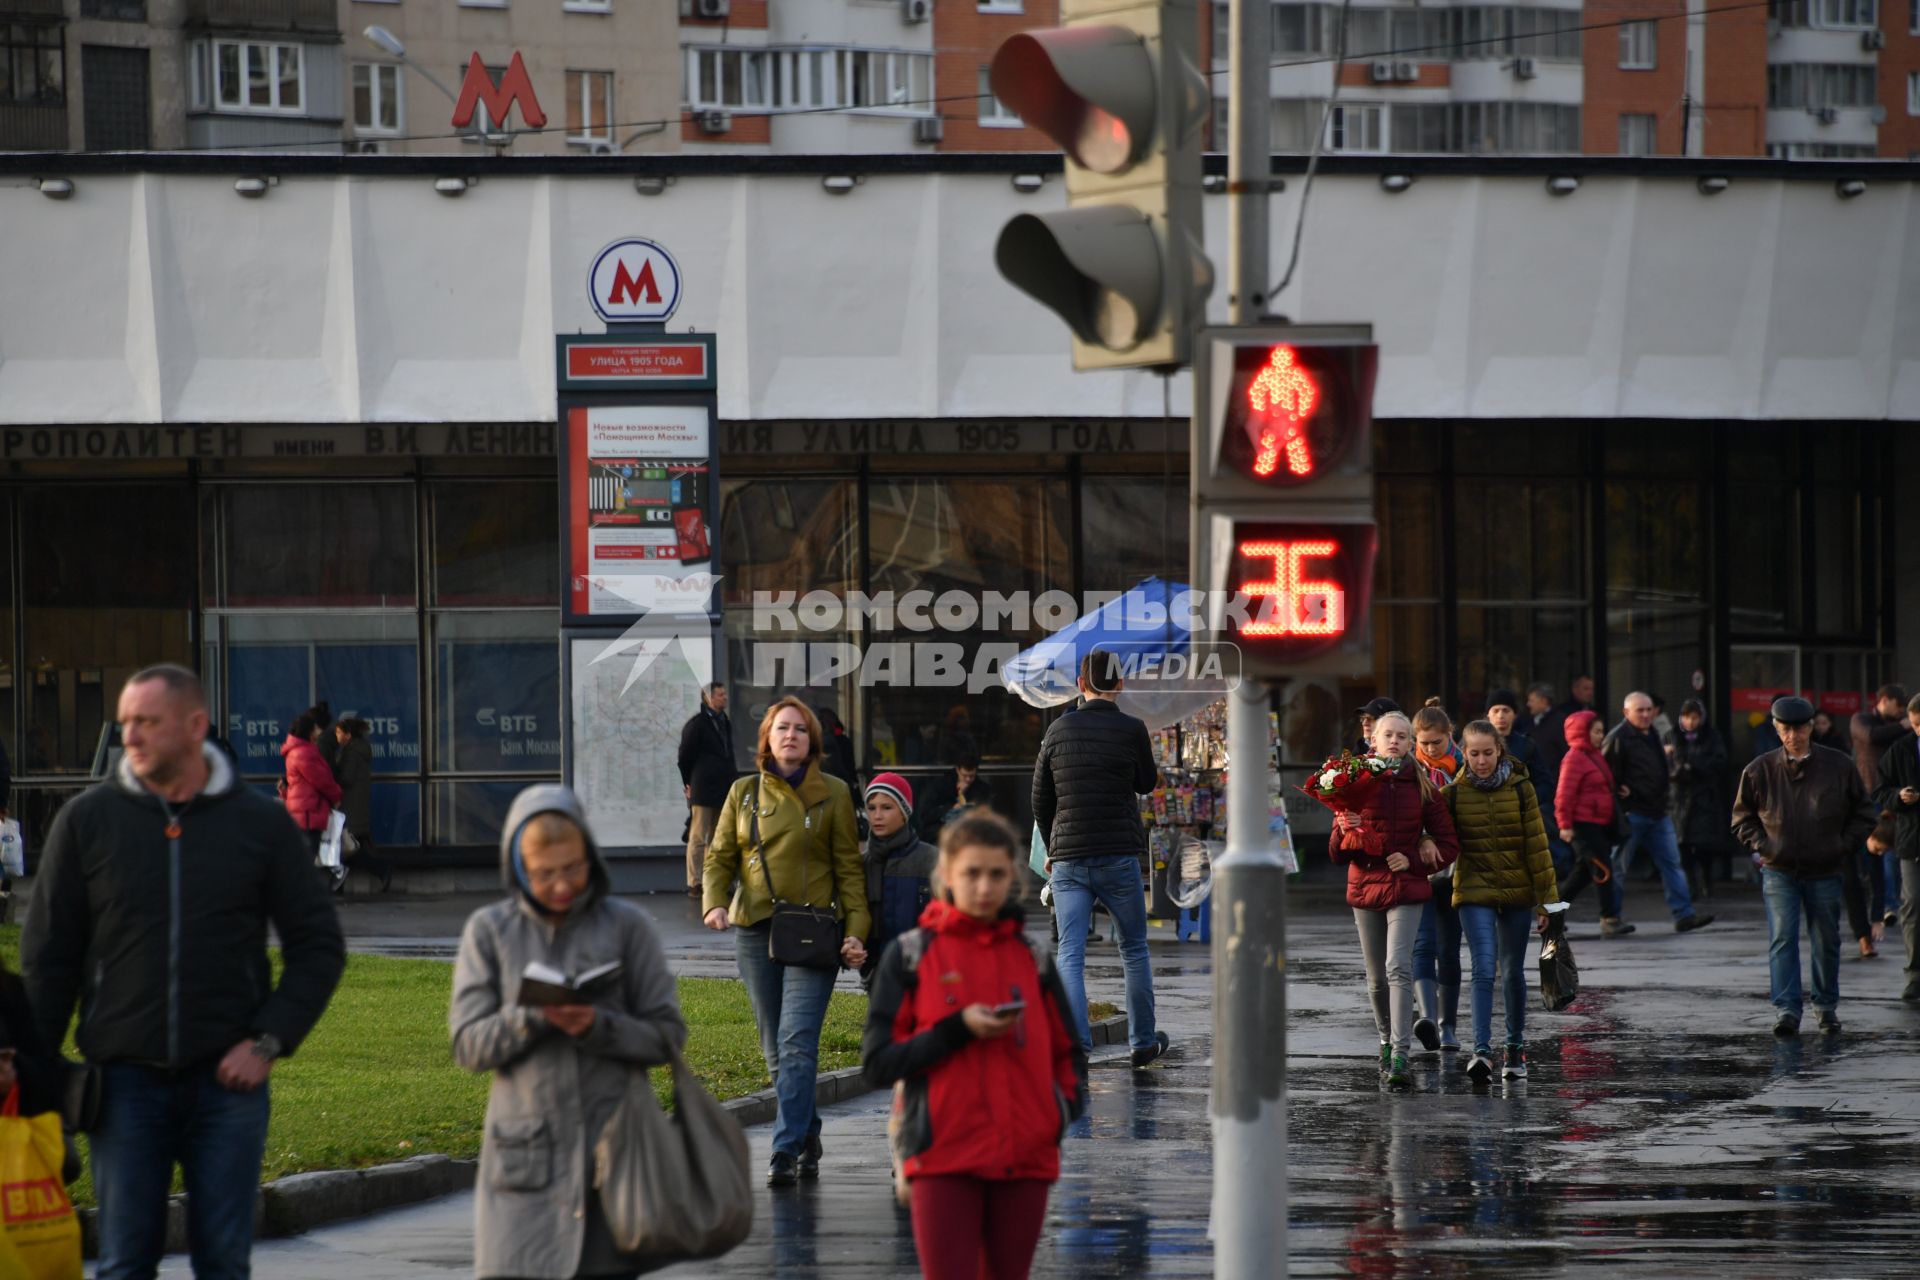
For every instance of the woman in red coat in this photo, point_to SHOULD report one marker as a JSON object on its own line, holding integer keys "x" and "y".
{"x": 1583, "y": 802}
{"x": 309, "y": 790}
{"x": 992, "y": 1076}
{"x": 1400, "y": 836}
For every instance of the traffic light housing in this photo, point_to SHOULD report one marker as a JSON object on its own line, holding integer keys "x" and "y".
{"x": 1284, "y": 538}
{"x": 1118, "y": 87}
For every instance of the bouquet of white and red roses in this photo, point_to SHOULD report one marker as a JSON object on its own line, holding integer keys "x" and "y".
{"x": 1343, "y": 783}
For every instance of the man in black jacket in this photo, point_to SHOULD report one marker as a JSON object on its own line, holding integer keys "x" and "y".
{"x": 1639, "y": 762}
{"x": 1093, "y": 766}
{"x": 1802, "y": 811}
{"x": 151, "y": 912}
{"x": 1897, "y": 793}
{"x": 706, "y": 775}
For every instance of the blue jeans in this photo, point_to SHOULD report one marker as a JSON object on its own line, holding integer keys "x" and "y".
{"x": 1787, "y": 900}
{"x": 1115, "y": 880}
{"x": 150, "y": 1120}
{"x": 1497, "y": 937}
{"x": 1436, "y": 948}
{"x": 1655, "y": 835}
{"x": 789, "y": 1008}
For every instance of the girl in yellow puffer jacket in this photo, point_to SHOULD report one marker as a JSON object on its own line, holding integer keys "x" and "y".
{"x": 1504, "y": 877}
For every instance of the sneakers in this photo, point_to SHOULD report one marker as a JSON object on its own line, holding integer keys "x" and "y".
{"x": 1786, "y": 1026}
{"x": 1141, "y": 1057}
{"x": 1516, "y": 1064}
{"x": 1398, "y": 1077}
{"x": 809, "y": 1162}
{"x": 1829, "y": 1022}
{"x": 1386, "y": 1056}
{"x": 1427, "y": 1032}
{"x": 1614, "y": 927}
{"x": 783, "y": 1170}
{"x": 1687, "y": 924}
{"x": 1480, "y": 1068}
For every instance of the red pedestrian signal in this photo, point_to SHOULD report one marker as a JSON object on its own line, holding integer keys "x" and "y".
{"x": 1295, "y": 411}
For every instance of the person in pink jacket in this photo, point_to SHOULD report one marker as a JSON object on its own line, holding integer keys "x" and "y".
{"x": 1584, "y": 804}
{"x": 309, "y": 790}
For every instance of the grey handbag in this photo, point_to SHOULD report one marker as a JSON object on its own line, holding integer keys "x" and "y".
{"x": 676, "y": 1186}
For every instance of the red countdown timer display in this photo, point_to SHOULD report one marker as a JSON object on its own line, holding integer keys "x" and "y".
{"x": 1294, "y": 411}
{"x": 1301, "y": 587}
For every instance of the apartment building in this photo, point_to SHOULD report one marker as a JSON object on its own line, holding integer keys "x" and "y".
{"x": 1790, "y": 79}
{"x": 843, "y": 76}
{"x": 134, "y": 75}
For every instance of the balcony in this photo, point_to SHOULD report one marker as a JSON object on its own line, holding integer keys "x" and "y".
{"x": 318, "y": 16}
{"x": 33, "y": 126}
{"x": 32, "y": 9}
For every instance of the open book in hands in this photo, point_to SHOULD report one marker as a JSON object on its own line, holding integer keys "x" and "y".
{"x": 542, "y": 985}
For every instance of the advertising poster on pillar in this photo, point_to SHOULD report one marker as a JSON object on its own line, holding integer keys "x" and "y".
{"x": 638, "y": 487}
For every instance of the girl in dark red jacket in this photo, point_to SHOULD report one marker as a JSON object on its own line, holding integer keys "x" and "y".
{"x": 972, "y": 1017}
{"x": 1583, "y": 802}
{"x": 309, "y": 789}
{"x": 1402, "y": 835}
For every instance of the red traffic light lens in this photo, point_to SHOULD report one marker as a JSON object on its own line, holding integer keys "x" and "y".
{"x": 1300, "y": 588}
{"x": 1294, "y": 411}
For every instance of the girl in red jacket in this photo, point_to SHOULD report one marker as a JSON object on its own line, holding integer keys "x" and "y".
{"x": 972, "y": 1016}
{"x": 1401, "y": 835}
{"x": 1583, "y": 802}
{"x": 309, "y": 789}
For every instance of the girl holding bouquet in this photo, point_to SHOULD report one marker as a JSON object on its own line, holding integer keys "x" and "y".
{"x": 1388, "y": 863}
{"x": 1436, "y": 949}
{"x": 1504, "y": 876}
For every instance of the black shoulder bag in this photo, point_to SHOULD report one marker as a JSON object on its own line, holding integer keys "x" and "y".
{"x": 801, "y": 935}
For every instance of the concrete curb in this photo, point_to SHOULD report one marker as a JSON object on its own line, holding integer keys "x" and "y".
{"x": 300, "y": 1202}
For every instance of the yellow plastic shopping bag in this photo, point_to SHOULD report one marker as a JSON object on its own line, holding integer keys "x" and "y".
{"x": 39, "y": 1233}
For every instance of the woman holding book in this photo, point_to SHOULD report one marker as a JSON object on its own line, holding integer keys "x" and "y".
{"x": 559, "y": 1069}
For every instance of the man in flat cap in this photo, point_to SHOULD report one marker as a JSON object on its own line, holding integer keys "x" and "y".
{"x": 1802, "y": 810}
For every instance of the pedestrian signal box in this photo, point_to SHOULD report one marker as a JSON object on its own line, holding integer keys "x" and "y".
{"x": 1284, "y": 539}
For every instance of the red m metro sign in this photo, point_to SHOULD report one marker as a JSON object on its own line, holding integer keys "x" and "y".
{"x": 634, "y": 281}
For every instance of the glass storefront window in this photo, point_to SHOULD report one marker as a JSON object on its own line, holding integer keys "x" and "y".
{"x": 1406, "y": 652}
{"x": 1512, "y": 647}
{"x": 307, "y": 545}
{"x": 471, "y": 813}
{"x": 758, "y": 675}
{"x": 780, "y": 535}
{"x": 497, "y": 693}
{"x": 1519, "y": 540}
{"x": 107, "y": 583}
{"x": 1657, "y": 541}
{"x": 1410, "y": 540}
{"x": 496, "y": 543}
{"x": 366, "y": 665}
{"x": 1656, "y": 651}
{"x": 1132, "y": 528}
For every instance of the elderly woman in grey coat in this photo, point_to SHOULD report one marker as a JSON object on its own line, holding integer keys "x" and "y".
{"x": 559, "y": 1070}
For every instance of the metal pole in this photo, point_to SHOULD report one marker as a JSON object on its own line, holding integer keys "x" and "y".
{"x": 1249, "y": 1107}
{"x": 1249, "y": 156}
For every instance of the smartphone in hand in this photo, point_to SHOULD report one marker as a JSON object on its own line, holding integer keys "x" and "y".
{"x": 1010, "y": 1007}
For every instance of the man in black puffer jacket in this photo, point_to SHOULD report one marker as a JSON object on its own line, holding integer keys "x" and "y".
{"x": 150, "y": 912}
{"x": 1093, "y": 766}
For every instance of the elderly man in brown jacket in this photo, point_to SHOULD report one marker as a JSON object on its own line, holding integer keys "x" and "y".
{"x": 1802, "y": 811}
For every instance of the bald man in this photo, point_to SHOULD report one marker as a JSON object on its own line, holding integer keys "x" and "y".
{"x": 1642, "y": 781}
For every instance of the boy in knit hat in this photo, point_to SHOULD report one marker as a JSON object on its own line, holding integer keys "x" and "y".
{"x": 899, "y": 865}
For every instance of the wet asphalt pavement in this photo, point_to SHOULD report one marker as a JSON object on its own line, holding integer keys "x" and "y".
{"x": 1663, "y": 1132}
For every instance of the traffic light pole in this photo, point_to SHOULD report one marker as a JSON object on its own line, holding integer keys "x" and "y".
{"x": 1250, "y": 882}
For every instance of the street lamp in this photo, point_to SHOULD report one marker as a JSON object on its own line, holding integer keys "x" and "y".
{"x": 390, "y": 44}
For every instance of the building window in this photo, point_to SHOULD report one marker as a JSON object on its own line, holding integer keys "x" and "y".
{"x": 588, "y": 6}
{"x": 994, "y": 113}
{"x": 807, "y": 79}
{"x": 589, "y": 106}
{"x": 1819, "y": 84}
{"x": 1913, "y": 17}
{"x": 1002, "y": 6}
{"x": 32, "y": 64}
{"x": 1637, "y": 45}
{"x": 1637, "y": 135}
{"x": 1850, "y": 15}
{"x": 253, "y": 77}
{"x": 377, "y": 107}
{"x": 115, "y": 10}
{"x": 1913, "y": 93}
{"x": 1356, "y": 126}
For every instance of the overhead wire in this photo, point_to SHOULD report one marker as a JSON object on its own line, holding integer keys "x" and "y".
{"x": 1341, "y": 57}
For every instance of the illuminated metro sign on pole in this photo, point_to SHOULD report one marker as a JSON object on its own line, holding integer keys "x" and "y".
{"x": 1284, "y": 539}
